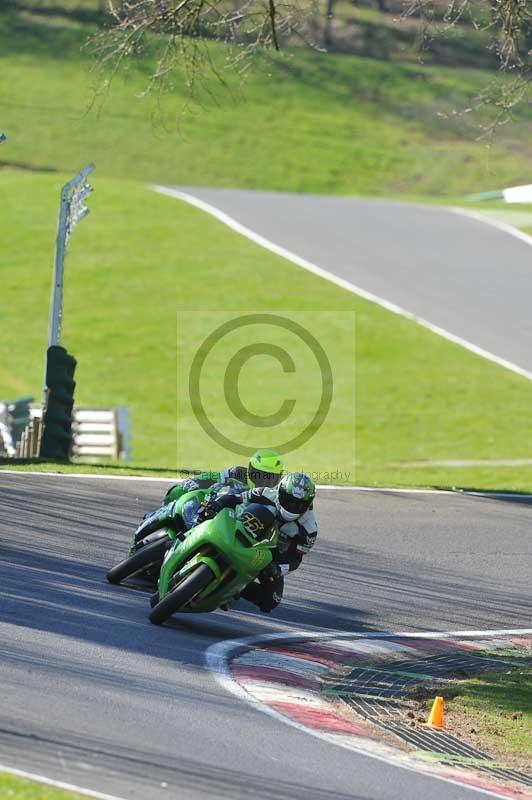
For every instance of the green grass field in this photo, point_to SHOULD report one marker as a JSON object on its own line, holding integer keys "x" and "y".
{"x": 498, "y": 706}
{"x": 418, "y": 397}
{"x": 304, "y": 121}
{"x": 502, "y": 705}
{"x": 14, "y": 788}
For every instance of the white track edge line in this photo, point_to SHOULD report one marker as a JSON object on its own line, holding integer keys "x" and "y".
{"x": 325, "y": 486}
{"x": 248, "y": 641}
{"x": 495, "y": 223}
{"x": 260, "y": 240}
{"x": 90, "y": 475}
{"x": 69, "y": 787}
{"x": 217, "y": 658}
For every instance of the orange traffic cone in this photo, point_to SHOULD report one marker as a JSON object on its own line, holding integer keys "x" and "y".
{"x": 436, "y": 714}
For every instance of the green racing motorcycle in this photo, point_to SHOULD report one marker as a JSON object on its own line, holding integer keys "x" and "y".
{"x": 146, "y": 552}
{"x": 212, "y": 562}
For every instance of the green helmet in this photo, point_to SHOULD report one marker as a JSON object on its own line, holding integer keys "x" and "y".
{"x": 296, "y": 493}
{"x": 265, "y": 469}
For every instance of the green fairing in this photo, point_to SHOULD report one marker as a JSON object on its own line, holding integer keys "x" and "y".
{"x": 178, "y": 509}
{"x": 176, "y": 493}
{"x": 220, "y": 534}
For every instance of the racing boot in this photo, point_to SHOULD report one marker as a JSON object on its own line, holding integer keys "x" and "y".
{"x": 266, "y": 595}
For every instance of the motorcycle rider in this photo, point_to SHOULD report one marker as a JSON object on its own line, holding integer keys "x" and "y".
{"x": 265, "y": 468}
{"x": 292, "y": 502}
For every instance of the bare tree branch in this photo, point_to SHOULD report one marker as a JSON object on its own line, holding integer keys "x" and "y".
{"x": 177, "y": 34}
{"x": 181, "y": 30}
{"x": 509, "y": 22}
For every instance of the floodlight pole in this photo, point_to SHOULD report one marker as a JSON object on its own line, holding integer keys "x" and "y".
{"x": 72, "y": 209}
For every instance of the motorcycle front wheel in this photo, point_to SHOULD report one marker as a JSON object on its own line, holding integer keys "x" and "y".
{"x": 183, "y": 593}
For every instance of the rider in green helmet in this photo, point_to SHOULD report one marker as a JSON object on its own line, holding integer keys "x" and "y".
{"x": 265, "y": 469}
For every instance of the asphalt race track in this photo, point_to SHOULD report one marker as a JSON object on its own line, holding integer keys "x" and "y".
{"x": 94, "y": 695}
{"x": 462, "y": 275}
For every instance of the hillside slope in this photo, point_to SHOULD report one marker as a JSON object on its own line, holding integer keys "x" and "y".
{"x": 304, "y": 121}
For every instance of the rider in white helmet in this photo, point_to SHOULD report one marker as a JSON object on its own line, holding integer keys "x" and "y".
{"x": 292, "y": 501}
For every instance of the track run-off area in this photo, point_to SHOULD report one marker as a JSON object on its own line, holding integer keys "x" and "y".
{"x": 95, "y": 696}
{"x": 315, "y": 681}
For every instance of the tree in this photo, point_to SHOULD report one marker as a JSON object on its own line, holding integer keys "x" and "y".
{"x": 510, "y": 25}
{"x": 510, "y": 22}
{"x": 327, "y": 28}
{"x": 179, "y": 32}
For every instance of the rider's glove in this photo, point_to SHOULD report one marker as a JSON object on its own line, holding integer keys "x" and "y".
{"x": 208, "y": 509}
{"x": 212, "y": 504}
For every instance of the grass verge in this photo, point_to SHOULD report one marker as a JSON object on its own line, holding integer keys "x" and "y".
{"x": 142, "y": 257}
{"x": 494, "y": 712}
{"x": 14, "y": 788}
{"x": 305, "y": 121}
{"x": 105, "y": 469}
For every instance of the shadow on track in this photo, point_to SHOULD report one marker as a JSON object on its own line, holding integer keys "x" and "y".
{"x": 186, "y": 774}
{"x": 58, "y": 537}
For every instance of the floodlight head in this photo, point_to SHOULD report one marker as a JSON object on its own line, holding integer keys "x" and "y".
{"x": 74, "y": 193}
{"x": 77, "y": 206}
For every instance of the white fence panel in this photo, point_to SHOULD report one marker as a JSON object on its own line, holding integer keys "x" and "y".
{"x": 94, "y": 415}
{"x": 97, "y": 432}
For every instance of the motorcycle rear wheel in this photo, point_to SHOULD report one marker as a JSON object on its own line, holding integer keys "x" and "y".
{"x": 141, "y": 560}
{"x": 182, "y": 594}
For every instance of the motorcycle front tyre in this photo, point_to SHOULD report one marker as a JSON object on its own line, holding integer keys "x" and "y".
{"x": 183, "y": 593}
